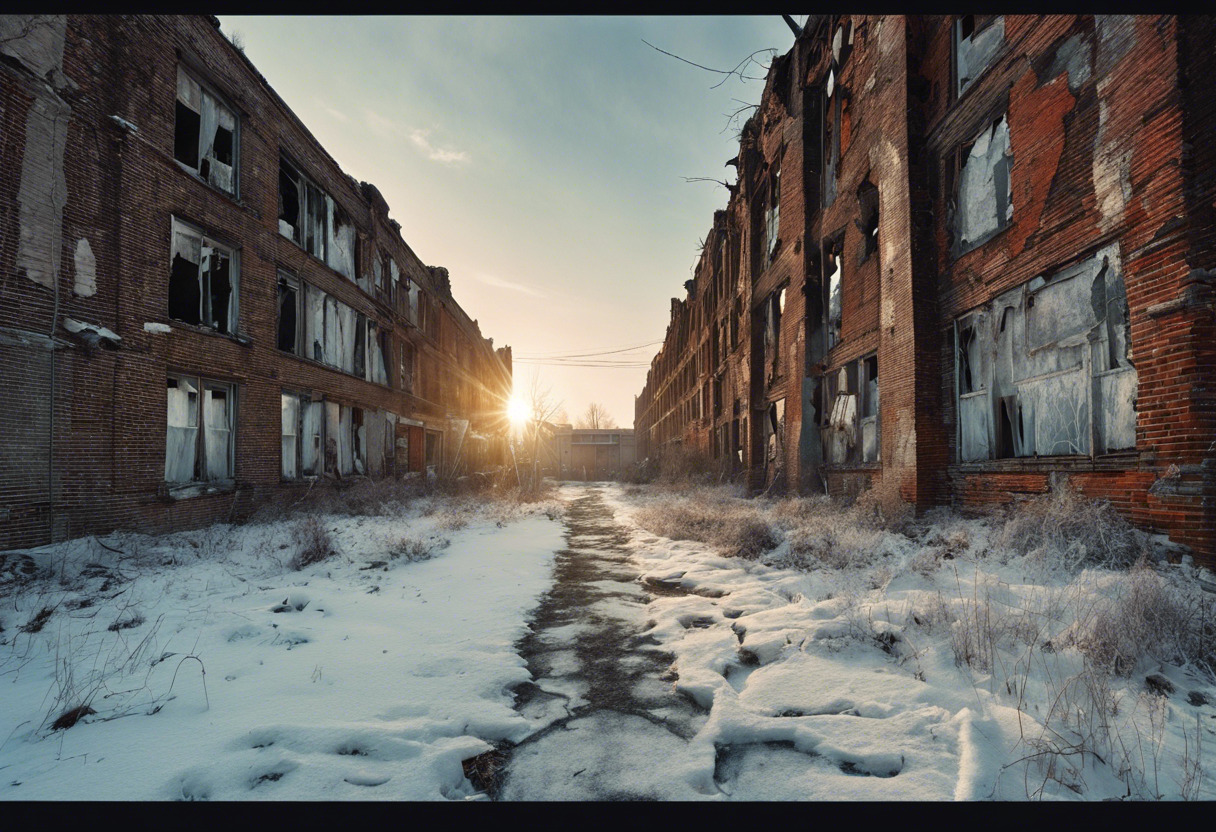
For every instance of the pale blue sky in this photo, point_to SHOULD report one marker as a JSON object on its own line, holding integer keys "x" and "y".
{"x": 540, "y": 159}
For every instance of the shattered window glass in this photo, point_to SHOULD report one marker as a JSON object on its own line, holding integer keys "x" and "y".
{"x": 202, "y": 280}
{"x": 290, "y": 435}
{"x": 307, "y": 216}
{"x": 834, "y": 266}
{"x": 205, "y": 133}
{"x": 867, "y": 203}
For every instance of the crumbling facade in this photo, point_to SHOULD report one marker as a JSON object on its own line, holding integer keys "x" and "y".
{"x": 198, "y": 308}
{"x": 972, "y": 254}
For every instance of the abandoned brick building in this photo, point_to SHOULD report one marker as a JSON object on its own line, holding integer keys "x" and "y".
{"x": 198, "y": 308}
{"x": 973, "y": 254}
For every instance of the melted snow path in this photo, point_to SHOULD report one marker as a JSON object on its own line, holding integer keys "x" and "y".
{"x": 665, "y": 671}
{"x": 613, "y": 728}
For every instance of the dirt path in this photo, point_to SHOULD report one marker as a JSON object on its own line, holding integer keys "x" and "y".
{"x": 613, "y": 722}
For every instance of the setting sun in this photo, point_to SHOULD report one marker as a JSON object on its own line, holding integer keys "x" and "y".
{"x": 517, "y": 411}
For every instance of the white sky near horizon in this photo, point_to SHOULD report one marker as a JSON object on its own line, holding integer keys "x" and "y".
{"x": 540, "y": 159}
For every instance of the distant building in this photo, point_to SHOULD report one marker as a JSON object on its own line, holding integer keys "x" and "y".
{"x": 1005, "y": 226}
{"x": 585, "y": 454}
{"x": 198, "y": 308}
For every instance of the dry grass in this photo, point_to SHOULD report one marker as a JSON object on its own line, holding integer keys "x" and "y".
{"x": 714, "y": 516}
{"x": 313, "y": 542}
{"x": 1064, "y": 530}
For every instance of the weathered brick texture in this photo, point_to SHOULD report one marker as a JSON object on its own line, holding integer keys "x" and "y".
{"x": 89, "y": 187}
{"x": 1111, "y": 148}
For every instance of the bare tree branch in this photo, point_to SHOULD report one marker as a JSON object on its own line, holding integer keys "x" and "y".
{"x": 726, "y": 73}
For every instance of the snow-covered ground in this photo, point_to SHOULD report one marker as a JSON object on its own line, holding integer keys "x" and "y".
{"x": 855, "y": 660}
{"x": 361, "y": 677}
{"x": 922, "y": 668}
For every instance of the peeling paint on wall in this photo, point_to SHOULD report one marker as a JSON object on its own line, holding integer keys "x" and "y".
{"x": 36, "y": 40}
{"x": 86, "y": 269}
{"x": 43, "y": 191}
{"x": 1111, "y": 169}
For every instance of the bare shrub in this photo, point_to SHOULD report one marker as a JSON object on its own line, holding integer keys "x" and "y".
{"x": 415, "y": 549}
{"x": 1063, "y": 529}
{"x": 313, "y": 542}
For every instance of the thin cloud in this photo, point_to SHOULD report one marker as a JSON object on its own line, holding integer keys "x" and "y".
{"x": 491, "y": 280}
{"x": 445, "y": 155}
{"x": 324, "y": 105}
{"x": 418, "y": 137}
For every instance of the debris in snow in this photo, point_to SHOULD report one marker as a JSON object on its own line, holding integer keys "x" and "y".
{"x": 1159, "y": 684}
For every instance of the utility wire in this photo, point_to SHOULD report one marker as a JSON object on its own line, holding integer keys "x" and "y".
{"x": 612, "y": 351}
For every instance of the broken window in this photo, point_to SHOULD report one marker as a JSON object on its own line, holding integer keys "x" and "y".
{"x": 378, "y": 354}
{"x": 304, "y": 211}
{"x": 200, "y": 429}
{"x": 205, "y": 133}
{"x": 289, "y": 314}
{"x": 407, "y": 366}
{"x": 833, "y": 295}
{"x": 773, "y": 308}
{"x": 867, "y": 204}
{"x": 985, "y": 198}
{"x": 290, "y": 436}
{"x": 1043, "y": 369}
{"x": 870, "y": 434}
{"x": 831, "y": 138}
{"x": 202, "y": 280}
{"x": 383, "y": 278}
{"x": 312, "y": 438}
{"x": 359, "y": 345}
{"x": 774, "y": 437}
{"x": 772, "y": 215}
{"x": 434, "y": 450}
{"x": 977, "y": 38}
{"x": 341, "y": 241}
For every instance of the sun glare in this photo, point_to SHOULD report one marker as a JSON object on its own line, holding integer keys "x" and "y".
{"x": 517, "y": 411}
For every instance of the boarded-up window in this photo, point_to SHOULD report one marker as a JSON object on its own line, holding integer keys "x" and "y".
{"x": 977, "y": 39}
{"x": 985, "y": 196}
{"x": 1044, "y": 370}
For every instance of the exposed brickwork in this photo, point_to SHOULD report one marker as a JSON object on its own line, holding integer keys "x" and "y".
{"x": 1111, "y": 142}
{"x": 123, "y": 188}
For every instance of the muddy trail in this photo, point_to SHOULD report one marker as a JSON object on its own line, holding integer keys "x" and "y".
{"x": 602, "y": 688}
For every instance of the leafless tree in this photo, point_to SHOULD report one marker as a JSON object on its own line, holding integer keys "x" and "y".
{"x": 543, "y": 406}
{"x": 595, "y": 417}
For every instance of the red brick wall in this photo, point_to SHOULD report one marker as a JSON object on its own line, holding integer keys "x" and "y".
{"x": 123, "y": 188}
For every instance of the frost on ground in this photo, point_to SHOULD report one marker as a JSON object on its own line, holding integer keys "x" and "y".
{"x": 857, "y": 653}
{"x": 355, "y": 651}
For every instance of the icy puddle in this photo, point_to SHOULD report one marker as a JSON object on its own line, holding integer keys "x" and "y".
{"x": 611, "y": 727}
